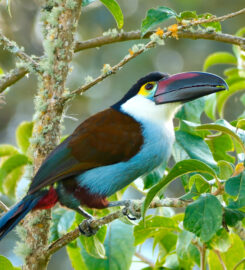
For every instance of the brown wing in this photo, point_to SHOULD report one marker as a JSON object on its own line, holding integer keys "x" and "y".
{"x": 106, "y": 138}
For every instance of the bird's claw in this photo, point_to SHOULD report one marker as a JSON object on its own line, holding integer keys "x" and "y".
{"x": 86, "y": 229}
{"x": 132, "y": 211}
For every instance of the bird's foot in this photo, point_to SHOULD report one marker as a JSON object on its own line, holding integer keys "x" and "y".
{"x": 86, "y": 229}
{"x": 132, "y": 209}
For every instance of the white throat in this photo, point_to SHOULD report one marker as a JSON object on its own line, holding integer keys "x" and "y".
{"x": 143, "y": 109}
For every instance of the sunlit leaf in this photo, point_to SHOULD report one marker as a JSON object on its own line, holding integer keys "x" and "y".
{"x": 215, "y": 26}
{"x": 224, "y": 129}
{"x": 210, "y": 106}
{"x": 156, "y": 16}
{"x": 11, "y": 181}
{"x": 5, "y": 264}
{"x": 75, "y": 256}
{"x": 10, "y": 164}
{"x": 23, "y": 135}
{"x": 220, "y": 147}
{"x": 181, "y": 168}
{"x": 115, "y": 10}
{"x": 153, "y": 226}
{"x": 221, "y": 241}
{"x": 203, "y": 217}
{"x": 219, "y": 58}
{"x": 7, "y": 150}
{"x": 119, "y": 246}
{"x": 225, "y": 95}
{"x": 225, "y": 169}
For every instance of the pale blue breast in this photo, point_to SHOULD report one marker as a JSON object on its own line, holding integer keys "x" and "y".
{"x": 156, "y": 149}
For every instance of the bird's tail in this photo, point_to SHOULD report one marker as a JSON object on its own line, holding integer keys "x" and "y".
{"x": 9, "y": 220}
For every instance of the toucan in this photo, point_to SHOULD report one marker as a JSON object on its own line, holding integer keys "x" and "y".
{"x": 112, "y": 148}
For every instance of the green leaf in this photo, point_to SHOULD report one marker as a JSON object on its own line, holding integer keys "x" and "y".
{"x": 23, "y": 135}
{"x": 219, "y": 58}
{"x": 56, "y": 216}
{"x": 119, "y": 246}
{"x": 210, "y": 106}
{"x": 87, "y": 2}
{"x": 1, "y": 72}
{"x": 235, "y": 186}
{"x": 213, "y": 26}
{"x": 223, "y": 129}
{"x": 75, "y": 256}
{"x": 221, "y": 241}
{"x": 230, "y": 258}
{"x": 225, "y": 95}
{"x": 65, "y": 222}
{"x": 225, "y": 170}
{"x": 192, "y": 110}
{"x": 10, "y": 182}
{"x": 94, "y": 244}
{"x": 203, "y": 217}
{"x": 187, "y": 15}
{"x": 153, "y": 225}
{"x": 181, "y": 168}
{"x": 172, "y": 262}
{"x": 155, "y": 17}
{"x": 115, "y": 10}
{"x": 7, "y": 150}
{"x": 10, "y": 164}
{"x": 151, "y": 179}
{"x": 5, "y": 264}
{"x": 195, "y": 147}
{"x": 232, "y": 216}
{"x": 185, "y": 248}
{"x": 220, "y": 145}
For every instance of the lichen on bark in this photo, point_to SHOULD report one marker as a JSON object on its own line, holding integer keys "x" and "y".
{"x": 59, "y": 19}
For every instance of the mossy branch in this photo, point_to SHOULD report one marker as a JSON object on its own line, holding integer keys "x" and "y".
{"x": 97, "y": 223}
{"x": 135, "y": 35}
{"x": 17, "y": 74}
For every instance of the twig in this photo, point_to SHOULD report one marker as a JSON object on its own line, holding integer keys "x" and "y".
{"x": 239, "y": 263}
{"x": 203, "y": 257}
{"x": 96, "y": 223}
{"x": 220, "y": 259}
{"x": 3, "y": 207}
{"x": 149, "y": 45}
{"x": 144, "y": 259}
{"x": 12, "y": 47}
{"x": 12, "y": 77}
{"x": 135, "y": 35}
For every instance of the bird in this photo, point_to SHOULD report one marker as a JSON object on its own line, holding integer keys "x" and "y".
{"x": 112, "y": 148}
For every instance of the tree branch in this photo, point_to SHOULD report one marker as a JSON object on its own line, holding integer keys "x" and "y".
{"x": 135, "y": 35}
{"x": 12, "y": 47}
{"x": 97, "y": 223}
{"x": 12, "y": 77}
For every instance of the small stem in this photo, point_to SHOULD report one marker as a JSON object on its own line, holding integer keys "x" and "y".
{"x": 220, "y": 259}
{"x": 239, "y": 263}
{"x": 144, "y": 259}
{"x": 203, "y": 257}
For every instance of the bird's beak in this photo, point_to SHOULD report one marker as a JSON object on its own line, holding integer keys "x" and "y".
{"x": 187, "y": 86}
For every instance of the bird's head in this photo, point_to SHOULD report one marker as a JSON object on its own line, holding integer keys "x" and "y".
{"x": 159, "y": 95}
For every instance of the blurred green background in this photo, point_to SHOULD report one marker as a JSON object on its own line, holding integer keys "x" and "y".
{"x": 176, "y": 56}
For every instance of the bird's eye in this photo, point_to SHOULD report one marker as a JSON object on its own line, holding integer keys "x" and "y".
{"x": 149, "y": 86}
